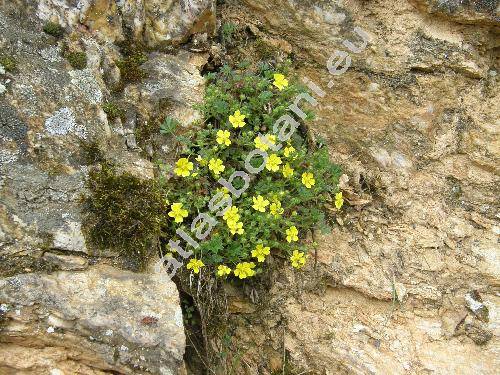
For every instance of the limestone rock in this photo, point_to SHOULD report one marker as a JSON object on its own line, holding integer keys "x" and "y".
{"x": 476, "y": 11}
{"x": 62, "y": 310}
{"x": 413, "y": 124}
{"x": 154, "y": 22}
{"x": 96, "y": 317}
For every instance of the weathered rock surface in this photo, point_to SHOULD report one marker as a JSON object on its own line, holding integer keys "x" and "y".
{"x": 414, "y": 123}
{"x": 155, "y": 22}
{"x": 476, "y": 11}
{"x": 98, "y": 320}
{"x": 406, "y": 284}
{"x": 64, "y": 311}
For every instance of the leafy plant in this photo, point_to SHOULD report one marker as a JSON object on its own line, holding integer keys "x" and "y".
{"x": 189, "y": 313}
{"x": 228, "y": 31}
{"x": 168, "y": 126}
{"x": 282, "y": 203}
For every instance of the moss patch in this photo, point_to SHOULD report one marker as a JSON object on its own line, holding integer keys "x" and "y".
{"x": 78, "y": 60}
{"x": 113, "y": 110}
{"x": 53, "y": 29}
{"x": 265, "y": 49}
{"x": 125, "y": 214}
{"x": 10, "y": 266}
{"x": 91, "y": 153}
{"x": 8, "y": 63}
{"x": 130, "y": 67}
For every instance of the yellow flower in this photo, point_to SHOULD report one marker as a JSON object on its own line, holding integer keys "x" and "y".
{"x": 235, "y": 227}
{"x": 195, "y": 265}
{"x": 276, "y": 209}
{"x": 232, "y": 214}
{"x": 224, "y": 191}
{"x": 177, "y": 212}
{"x": 201, "y": 161}
{"x": 308, "y": 179}
{"x": 223, "y": 137}
{"x": 339, "y": 200}
{"x": 260, "y": 252}
{"x": 216, "y": 166}
{"x": 287, "y": 171}
{"x": 261, "y": 145}
{"x": 170, "y": 254}
{"x": 280, "y": 81}
{"x": 288, "y": 151}
{"x": 298, "y": 259}
{"x": 223, "y": 270}
{"x": 259, "y": 203}
{"x": 184, "y": 167}
{"x": 273, "y": 163}
{"x": 244, "y": 270}
{"x": 237, "y": 119}
{"x": 291, "y": 234}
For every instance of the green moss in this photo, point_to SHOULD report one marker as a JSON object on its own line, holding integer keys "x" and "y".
{"x": 91, "y": 153}
{"x": 113, "y": 110}
{"x": 130, "y": 67}
{"x": 47, "y": 241}
{"x": 53, "y": 29}
{"x": 8, "y": 63}
{"x": 10, "y": 266}
{"x": 78, "y": 60}
{"x": 145, "y": 130}
{"x": 125, "y": 214}
{"x": 265, "y": 50}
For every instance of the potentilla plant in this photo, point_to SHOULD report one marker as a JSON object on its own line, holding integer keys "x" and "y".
{"x": 282, "y": 202}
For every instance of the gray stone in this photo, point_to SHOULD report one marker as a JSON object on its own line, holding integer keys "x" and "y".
{"x": 66, "y": 262}
{"x": 96, "y": 311}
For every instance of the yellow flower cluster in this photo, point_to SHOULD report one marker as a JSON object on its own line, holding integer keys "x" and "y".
{"x": 276, "y": 209}
{"x": 260, "y": 252}
{"x": 274, "y": 163}
{"x": 298, "y": 259}
{"x": 288, "y": 151}
{"x": 280, "y": 81}
{"x": 244, "y": 270}
{"x": 223, "y": 137}
{"x": 183, "y": 167}
{"x": 292, "y": 234}
{"x": 308, "y": 179}
{"x": 232, "y": 218}
{"x": 195, "y": 265}
{"x": 287, "y": 171}
{"x": 223, "y": 270}
{"x": 237, "y": 119}
{"x": 263, "y": 144}
{"x": 177, "y": 212}
{"x": 339, "y": 200}
{"x": 259, "y": 203}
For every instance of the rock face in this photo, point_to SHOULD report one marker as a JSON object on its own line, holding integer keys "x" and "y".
{"x": 101, "y": 319}
{"x": 414, "y": 123}
{"x": 154, "y": 22}
{"x": 406, "y": 283}
{"x": 64, "y": 311}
